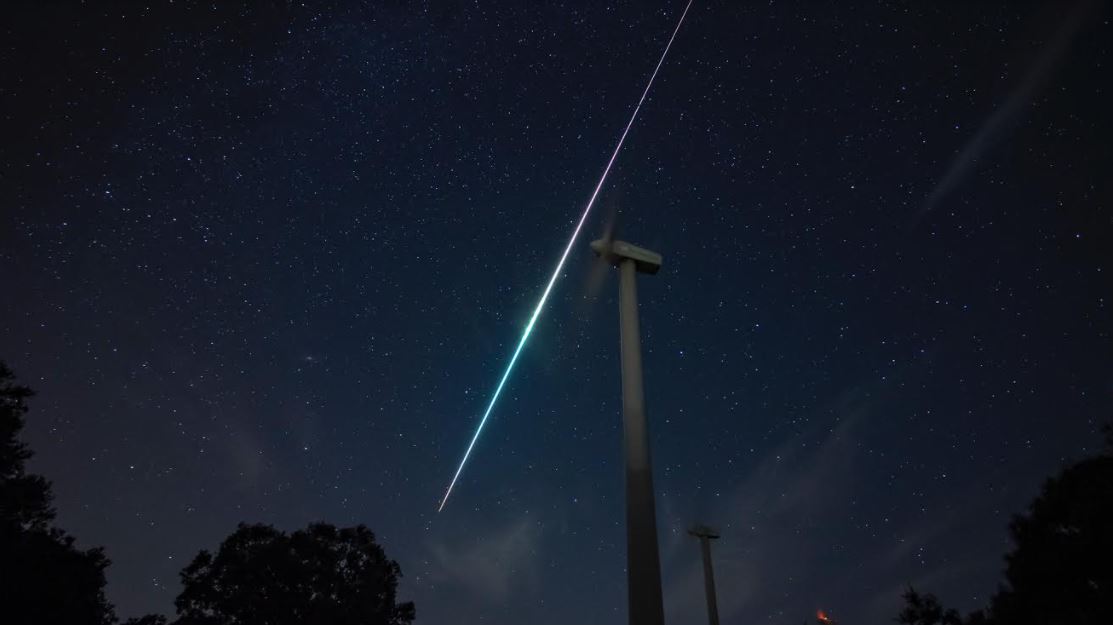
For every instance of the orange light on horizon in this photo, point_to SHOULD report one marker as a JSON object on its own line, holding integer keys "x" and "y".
{"x": 822, "y": 616}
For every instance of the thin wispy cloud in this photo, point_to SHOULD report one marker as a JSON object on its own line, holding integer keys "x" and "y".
{"x": 779, "y": 514}
{"x": 990, "y": 132}
{"x": 795, "y": 536}
{"x": 493, "y": 565}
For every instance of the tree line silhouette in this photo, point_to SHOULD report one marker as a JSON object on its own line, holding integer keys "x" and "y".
{"x": 1060, "y": 571}
{"x": 258, "y": 576}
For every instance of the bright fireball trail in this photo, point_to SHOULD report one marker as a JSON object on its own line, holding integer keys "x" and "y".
{"x": 560, "y": 265}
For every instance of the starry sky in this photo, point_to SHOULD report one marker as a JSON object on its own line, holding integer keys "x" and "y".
{"x": 265, "y": 262}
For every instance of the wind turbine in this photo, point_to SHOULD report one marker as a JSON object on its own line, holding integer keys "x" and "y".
{"x": 643, "y": 564}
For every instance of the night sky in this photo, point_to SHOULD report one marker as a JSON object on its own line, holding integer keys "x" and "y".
{"x": 266, "y": 264}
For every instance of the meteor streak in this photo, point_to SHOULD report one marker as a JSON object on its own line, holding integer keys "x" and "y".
{"x": 560, "y": 265}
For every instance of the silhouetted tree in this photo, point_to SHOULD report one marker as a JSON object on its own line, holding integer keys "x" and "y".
{"x": 1062, "y": 568}
{"x": 43, "y": 577}
{"x": 1060, "y": 571}
{"x": 24, "y": 499}
{"x": 147, "y": 619}
{"x": 320, "y": 575}
{"x": 926, "y": 610}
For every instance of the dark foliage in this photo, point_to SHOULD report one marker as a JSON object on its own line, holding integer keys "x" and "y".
{"x": 1062, "y": 568}
{"x": 45, "y": 578}
{"x": 318, "y": 575}
{"x": 24, "y": 499}
{"x": 48, "y": 580}
{"x": 926, "y": 610}
{"x": 1059, "y": 572}
{"x": 147, "y": 619}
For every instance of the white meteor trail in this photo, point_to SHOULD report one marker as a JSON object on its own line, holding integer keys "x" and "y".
{"x": 560, "y": 265}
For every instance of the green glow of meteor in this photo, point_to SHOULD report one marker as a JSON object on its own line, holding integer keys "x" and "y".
{"x": 560, "y": 265}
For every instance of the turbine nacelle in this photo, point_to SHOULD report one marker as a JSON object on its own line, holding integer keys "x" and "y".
{"x": 702, "y": 531}
{"x": 615, "y": 252}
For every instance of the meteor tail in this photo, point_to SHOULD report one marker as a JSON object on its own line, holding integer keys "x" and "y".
{"x": 560, "y": 265}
